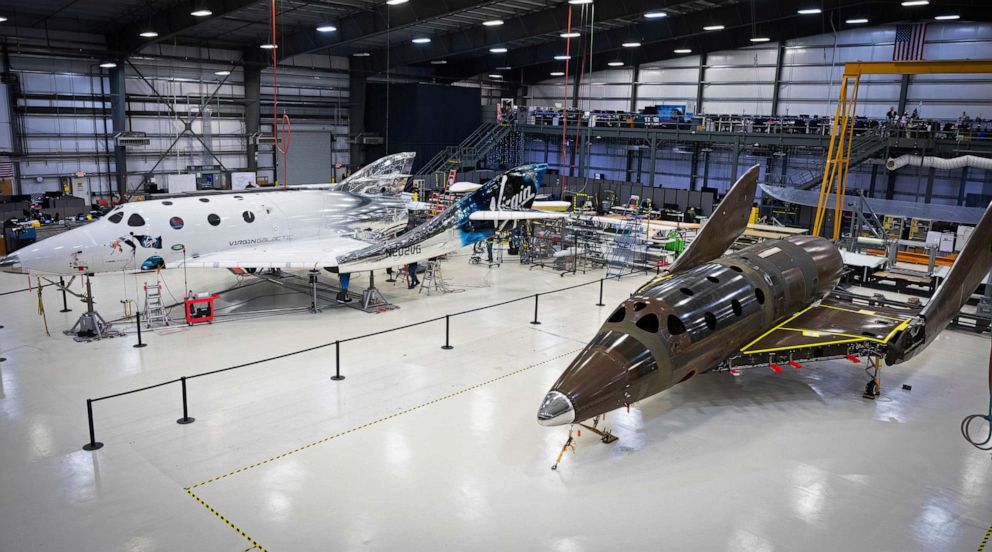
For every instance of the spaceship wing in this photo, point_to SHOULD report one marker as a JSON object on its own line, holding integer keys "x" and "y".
{"x": 308, "y": 254}
{"x": 830, "y": 323}
{"x": 723, "y": 227}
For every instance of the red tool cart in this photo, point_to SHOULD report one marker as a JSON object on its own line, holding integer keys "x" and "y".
{"x": 199, "y": 309}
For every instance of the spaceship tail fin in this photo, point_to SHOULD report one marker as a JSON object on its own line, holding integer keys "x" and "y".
{"x": 969, "y": 268}
{"x": 724, "y": 226}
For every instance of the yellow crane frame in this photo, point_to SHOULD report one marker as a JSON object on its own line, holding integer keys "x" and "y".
{"x": 842, "y": 128}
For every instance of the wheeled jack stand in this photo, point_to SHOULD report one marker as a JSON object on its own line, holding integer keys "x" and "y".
{"x": 874, "y": 385}
{"x": 91, "y": 325}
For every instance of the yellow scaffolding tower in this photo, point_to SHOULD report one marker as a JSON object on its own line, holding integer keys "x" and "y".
{"x": 842, "y": 129}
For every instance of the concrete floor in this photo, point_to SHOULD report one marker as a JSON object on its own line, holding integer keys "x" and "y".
{"x": 421, "y": 448}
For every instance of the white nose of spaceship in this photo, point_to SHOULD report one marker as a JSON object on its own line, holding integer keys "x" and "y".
{"x": 555, "y": 410}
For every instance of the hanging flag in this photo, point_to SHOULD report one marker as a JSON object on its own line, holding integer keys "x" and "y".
{"x": 909, "y": 42}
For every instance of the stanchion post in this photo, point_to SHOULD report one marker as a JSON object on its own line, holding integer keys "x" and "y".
{"x": 65, "y": 305}
{"x": 93, "y": 444}
{"x": 139, "y": 344}
{"x": 337, "y": 362}
{"x": 185, "y": 419}
{"x": 600, "y": 303}
{"x": 535, "y": 321}
{"x": 447, "y": 333}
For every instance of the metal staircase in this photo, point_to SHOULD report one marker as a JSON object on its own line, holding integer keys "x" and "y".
{"x": 469, "y": 152}
{"x": 618, "y": 256}
{"x": 863, "y": 148}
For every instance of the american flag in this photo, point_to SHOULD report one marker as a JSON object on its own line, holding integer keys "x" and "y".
{"x": 909, "y": 42}
{"x": 6, "y": 169}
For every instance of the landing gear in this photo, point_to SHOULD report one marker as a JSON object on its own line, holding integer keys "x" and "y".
{"x": 605, "y": 436}
{"x": 874, "y": 385}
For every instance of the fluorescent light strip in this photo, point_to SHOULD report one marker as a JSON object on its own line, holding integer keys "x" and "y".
{"x": 493, "y": 23}
{"x": 859, "y": 21}
{"x": 810, "y": 11}
{"x": 947, "y": 17}
{"x": 713, "y": 28}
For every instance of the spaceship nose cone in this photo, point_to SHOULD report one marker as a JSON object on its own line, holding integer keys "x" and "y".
{"x": 555, "y": 410}
{"x": 11, "y": 263}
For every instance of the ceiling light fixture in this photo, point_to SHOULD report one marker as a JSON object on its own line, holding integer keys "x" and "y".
{"x": 579, "y": 2}
{"x": 713, "y": 28}
{"x": 557, "y": 74}
{"x": 361, "y": 54}
{"x": 148, "y": 34}
{"x": 563, "y": 58}
{"x": 201, "y": 13}
{"x": 810, "y": 11}
{"x": 493, "y": 23}
{"x": 631, "y": 44}
{"x": 682, "y": 51}
{"x": 858, "y": 21}
{"x": 421, "y": 40}
{"x": 947, "y": 17}
{"x": 268, "y": 46}
{"x": 495, "y": 76}
{"x": 108, "y": 65}
{"x": 439, "y": 62}
{"x": 615, "y": 64}
{"x": 570, "y": 35}
{"x": 655, "y": 15}
{"x": 2, "y": 19}
{"x": 396, "y": 2}
{"x": 222, "y": 73}
{"x": 497, "y": 50}
{"x": 912, "y": 3}
{"x": 326, "y": 29}
{"x": 503, "y": 68}
{"x": 760, "y": 39}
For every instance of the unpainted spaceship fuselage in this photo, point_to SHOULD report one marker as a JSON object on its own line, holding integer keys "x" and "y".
{"x": 677, "y": 326}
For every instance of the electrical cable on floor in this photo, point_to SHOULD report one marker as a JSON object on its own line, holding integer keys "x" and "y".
{"x": 985, "y": 445}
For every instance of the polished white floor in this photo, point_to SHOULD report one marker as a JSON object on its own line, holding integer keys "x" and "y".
{"x": 424, "y": 449}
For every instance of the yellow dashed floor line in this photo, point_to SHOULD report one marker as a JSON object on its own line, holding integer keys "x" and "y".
{"x": 255, "y": 545}
{"x": 985, "y": 541}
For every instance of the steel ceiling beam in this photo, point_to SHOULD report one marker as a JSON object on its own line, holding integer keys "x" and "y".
{"x": 374, "y": 23}
{"x": 170, "y": 23}
{"x": 776, "y": 20}
{"x": 480, "y": 39}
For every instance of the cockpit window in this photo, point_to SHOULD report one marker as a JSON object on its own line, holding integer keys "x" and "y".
{"x": 116, "y": 217}
{"x": 135, "y": 220}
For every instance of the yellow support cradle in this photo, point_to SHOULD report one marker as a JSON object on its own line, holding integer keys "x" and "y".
{"x": 842, "y": 129}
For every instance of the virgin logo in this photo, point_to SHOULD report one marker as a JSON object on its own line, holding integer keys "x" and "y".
{"x": 515, "y": 202}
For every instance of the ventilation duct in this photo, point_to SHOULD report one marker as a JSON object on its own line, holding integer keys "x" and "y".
{"x": 938, "y": 162}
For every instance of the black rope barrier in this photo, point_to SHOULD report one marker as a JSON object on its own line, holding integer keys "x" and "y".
{"x": 93, "y": 444}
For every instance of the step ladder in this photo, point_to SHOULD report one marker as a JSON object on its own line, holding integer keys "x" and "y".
{"x": 434, "y": 279}
{"x": 154, "y": 315}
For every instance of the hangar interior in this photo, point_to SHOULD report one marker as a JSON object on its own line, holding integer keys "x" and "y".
{"x": 262, "y": 259}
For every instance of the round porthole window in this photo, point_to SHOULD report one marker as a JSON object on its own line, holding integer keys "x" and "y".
{"x": 213, "y": 219}
{"x": 176, "y": 223}
{"x": 248, "y": 216}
